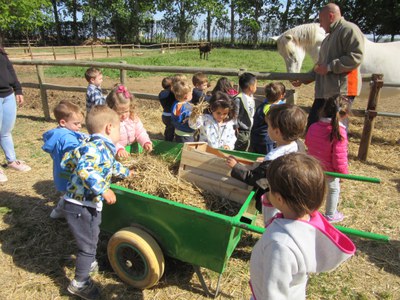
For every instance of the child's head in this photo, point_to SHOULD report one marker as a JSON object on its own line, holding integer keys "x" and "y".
{"x": 94, "y": 76}
{"x": 222, "y": 107}
{"x": 166, "y": 83}
{"x": 200, "y": 81}
{"x": 68, "y": 115}
{"x": 299, "y": 179}
{"x": 290, "y": 119}
{"x": 275, "y": 91}
{"x": 335, "y": 108}
{"x": 223, "y": 85}
{"x": 248, "y": 83}
{"x": 104, "y": 120}
{"x": 182, "y": 90}
{"x": 120, "y": 100}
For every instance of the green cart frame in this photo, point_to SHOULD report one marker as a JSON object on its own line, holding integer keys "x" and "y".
{"x": 147, "y": 227}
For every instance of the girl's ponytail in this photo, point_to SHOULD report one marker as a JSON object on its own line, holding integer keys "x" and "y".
{"x": 335, "y": 108}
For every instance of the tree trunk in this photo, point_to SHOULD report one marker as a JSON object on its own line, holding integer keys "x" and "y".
{"x": 135, "y": 21}
{"x": 57, "y": 21}
{"x": 285, "y": 15}
{"x": 75, "y": 21}
{"x": 182, "y": 24}
{"x": 209, "y": 21}
{"x": 232, "y": 23}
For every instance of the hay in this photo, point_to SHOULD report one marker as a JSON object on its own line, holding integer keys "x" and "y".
{"x": 158, "y": 177}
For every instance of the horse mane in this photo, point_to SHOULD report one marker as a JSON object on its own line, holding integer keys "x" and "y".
{"x": 305, "y": 34}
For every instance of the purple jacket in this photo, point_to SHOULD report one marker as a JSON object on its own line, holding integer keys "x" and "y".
{"x": 332, "y": 155}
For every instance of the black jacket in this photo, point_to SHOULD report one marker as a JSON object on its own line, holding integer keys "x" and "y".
{"x": 8, "y": 79}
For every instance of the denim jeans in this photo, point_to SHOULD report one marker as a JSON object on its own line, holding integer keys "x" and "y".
{"x": 84, "y": 223}
{"x": 169, "y": 131}
{"x": 332, "y": 197}
{"x": 8, "y": 114}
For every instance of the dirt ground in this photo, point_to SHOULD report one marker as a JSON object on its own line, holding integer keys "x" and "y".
{"x": 36, "y": 260}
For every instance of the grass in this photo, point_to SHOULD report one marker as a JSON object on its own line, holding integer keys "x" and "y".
{"x": 252, "y": 60}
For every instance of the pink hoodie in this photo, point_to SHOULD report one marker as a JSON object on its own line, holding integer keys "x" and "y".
{"x": 332, "y": 155}
{"x": 132, "y": 131}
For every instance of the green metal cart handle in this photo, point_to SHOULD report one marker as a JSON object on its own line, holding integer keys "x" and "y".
{"x": 354, "y": 177}
{"x": 345, "y": 230}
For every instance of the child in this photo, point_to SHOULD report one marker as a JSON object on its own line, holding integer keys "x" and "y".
{"x": 260, "y": 141}
{"x": 224, "y": 85}
{"x": 200, "y": 84}
{"x": 216, "y": 128}
{"x": 286, "y": 123}
{"x": 91, "y": 166}
{"x": 327, "y": 141}
{"x": 167, "y": 99}
{"x": 181, "y": 111}
{"x": 298, "y": 241}
{"x": 94, "y": 95}
{"x": 131, "y": 128}
{"x": 60, "y": 140}
{"x": 245, "y": 107}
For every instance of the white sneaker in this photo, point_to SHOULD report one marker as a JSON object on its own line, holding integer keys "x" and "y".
{"x": 19, "y": 165}
{"x": 3, "y": 177}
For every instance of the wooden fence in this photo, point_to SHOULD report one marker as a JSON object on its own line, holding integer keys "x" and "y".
{"x": 369, "y": 114}
{"x": 93, "y": 51}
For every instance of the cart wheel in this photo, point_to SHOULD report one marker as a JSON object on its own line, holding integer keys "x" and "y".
{"x": 136, "y": 257}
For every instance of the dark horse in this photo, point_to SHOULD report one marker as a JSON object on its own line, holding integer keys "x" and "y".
{"x": 204, "y": 50}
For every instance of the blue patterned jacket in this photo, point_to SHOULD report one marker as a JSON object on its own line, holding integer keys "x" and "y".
{"x": 94, "y": 96}
{"x": 91, "y": 166}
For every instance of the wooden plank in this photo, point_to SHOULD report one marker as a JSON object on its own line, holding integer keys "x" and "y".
{"x": 217, "y": 187}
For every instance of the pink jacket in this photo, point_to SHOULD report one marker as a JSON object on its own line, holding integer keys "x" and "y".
{"x": 332, "y": 155}
{"x": 132, "y": 131}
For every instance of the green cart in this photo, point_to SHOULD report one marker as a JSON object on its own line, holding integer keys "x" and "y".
{"x": 147, "y": 227}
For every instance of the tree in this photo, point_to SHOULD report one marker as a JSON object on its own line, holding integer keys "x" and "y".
{"x": 181, "y": 15}
{"x": 23, "y": 15}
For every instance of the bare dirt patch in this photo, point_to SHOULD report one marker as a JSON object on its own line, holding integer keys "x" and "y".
{"x": 36, "y": 258}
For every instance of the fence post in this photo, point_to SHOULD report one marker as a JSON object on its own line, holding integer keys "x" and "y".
{"x": 54, "y": 53}
{"x": 370, "y": 114}
{"x": 107, "y": 51}
{"x": 122, "y": 73}
{"x": 43, "y": 92}
{"x": 75, "y": 53}
{"x": 120, "y": 50}
{"x": 30, "y": 51}
{"x": 91, "y": 48}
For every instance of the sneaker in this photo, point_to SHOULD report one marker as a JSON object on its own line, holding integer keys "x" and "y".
{"x": 19, "y": 165}
{"x": 94, "y": 267}
{"x": 336, "y": 217}
{"x": 3, "y": 177}
{"x": 88, "y": 291}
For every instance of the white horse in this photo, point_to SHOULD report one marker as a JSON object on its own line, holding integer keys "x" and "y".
{"x": 379, "y": 58}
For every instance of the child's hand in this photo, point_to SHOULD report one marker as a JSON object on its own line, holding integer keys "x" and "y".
{"x": 226, "y": 147}
{"x": 148, "y": 147}
{"x": 260, "y": 159}
{"x": 231, "y": 161}
{"x": 131, "y": 173}
{"x": 109, "y": 197}
{"x": 122, "y": 153}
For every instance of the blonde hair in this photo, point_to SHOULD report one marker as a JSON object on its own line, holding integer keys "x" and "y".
{"x": 181, "y": 88}
{"x": 65, "y": 109}
{"x": 121, "y": 96}
{"x": 199, "y": 78}
{"x": 99, "y": 116}
{"x": 92, "y": 73}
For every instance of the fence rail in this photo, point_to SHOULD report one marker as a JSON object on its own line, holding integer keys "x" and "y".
{"x": 369, "y": 114}
{"x": 94, "y": 51}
